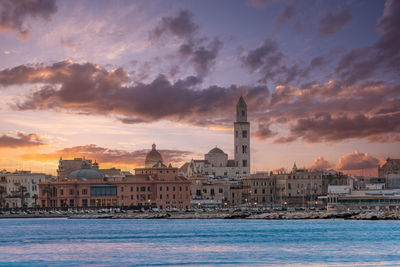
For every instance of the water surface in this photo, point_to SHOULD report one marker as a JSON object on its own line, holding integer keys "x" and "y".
{"x": 33, "y": 242}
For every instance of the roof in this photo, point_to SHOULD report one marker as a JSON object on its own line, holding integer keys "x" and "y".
{"x": 184, "y": 167}
{"x": 85, "y": 174}
{"x": 216, "y": 150}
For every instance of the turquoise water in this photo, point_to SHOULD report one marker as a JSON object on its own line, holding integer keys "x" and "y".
{"x": 47, "y": 242}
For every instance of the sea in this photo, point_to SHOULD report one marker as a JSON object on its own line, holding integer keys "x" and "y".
{"x": 126, "y": 242}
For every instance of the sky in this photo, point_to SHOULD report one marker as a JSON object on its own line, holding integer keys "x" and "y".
{"x": 106, "y": 79}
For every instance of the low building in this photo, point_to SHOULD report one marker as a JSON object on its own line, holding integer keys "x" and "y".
{"x": 391, "y": 166}
{"x": 364, "y": 200}
{"x": 260, "y": 189}
{"x": 22, "y": 188}
{"x": 158, "y": 186}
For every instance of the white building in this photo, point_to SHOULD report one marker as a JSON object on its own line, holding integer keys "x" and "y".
{"x": 216, "y": 163}
{"x": 26, "y": 180}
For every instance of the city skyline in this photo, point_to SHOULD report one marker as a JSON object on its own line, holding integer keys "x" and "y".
{"x": 105, "y": 80}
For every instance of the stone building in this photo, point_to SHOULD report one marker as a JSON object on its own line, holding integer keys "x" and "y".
{"x": 260, "y": 189}
{"x": 216, "y": 163}
{"x": 157, "y": 186}
{"x": 391, "y": 166}
{"x": 22, "y": 188}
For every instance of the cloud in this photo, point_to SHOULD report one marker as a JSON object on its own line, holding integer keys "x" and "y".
{"x": 181, "y": 26}
{"x": 22, "y": 140}
{"x": 333, "y": 22}
{"x": 200, "y": 52}
{"x": 110, "y": 156}
{"x": 263, "y": 132}
{"x": 14, "y": 13}
{"x": 326, "y": 128}
{"x": 360, "y": 64}
{"x": 321, "y": 164}
{"x": 287, "y": 12}
{"x": 202, "y": 57}
{"x": 268, "y": 61}
{"x": 90, "y": 89}
{"x": 357, "y": 161}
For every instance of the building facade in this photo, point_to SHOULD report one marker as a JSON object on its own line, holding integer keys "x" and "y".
{"x": 216, "y": 163}
{"x": 156, "y": 187}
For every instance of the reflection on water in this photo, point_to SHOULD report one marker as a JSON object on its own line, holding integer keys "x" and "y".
{"x": 159, "y": 242}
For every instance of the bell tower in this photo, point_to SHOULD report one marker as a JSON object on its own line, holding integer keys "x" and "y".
{"x": 242, "y": 139}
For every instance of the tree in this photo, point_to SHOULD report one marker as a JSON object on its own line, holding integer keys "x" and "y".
{"x": 22, "y": 194}
{"x": 47, "y": 191}
{"x": 35, "y": 197}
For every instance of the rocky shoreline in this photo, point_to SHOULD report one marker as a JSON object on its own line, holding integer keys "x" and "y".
{"x": 281, "y": 215}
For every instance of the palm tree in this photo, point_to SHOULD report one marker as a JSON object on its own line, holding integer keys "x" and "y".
{"x": 22, "y": 194}
{"x": 35, "y": 197}
{"x": 2, "y": 192}
{"x": 47, "y": 191}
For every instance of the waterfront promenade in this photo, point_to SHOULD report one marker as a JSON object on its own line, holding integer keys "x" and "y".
{"x": 273, "y": 215}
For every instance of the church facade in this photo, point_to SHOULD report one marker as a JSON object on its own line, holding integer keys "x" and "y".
{"x": 216, "y": 163}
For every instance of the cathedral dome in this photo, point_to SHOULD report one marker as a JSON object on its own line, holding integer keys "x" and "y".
{"x": 216, "y": 150}
{"x": 85, "y": 174}
{"x": 153, "y": 157}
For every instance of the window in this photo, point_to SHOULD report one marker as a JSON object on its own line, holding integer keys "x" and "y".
{"x": 142, "y": 188}
{"x": 84, "y": 202}
{"x": 71, "y": 191}
{"x": 198, "y": 192}
{"x": 243, "y": 113}
{"x": 131, "y": 188}
{"x": 220, "y": 190}
{"x": 173, "y": 188}
{"x": 167, "y": 188}
{"x": 131, "y": 197}
{"x": 212, "y": 191}
{"x": 244, "y": 163}
{"x": 71, "y": 202}
{"x": 244, "y": 134}
{"x": 244, "y": 149}
{"x": 289, "y": 186}
{"x": 103, "y": 190}
{"x": 180, "y": 188}
{"x": 61, "y": 192}
{"x": 122, "y": 189}
{"x": 160, "y": 196}
{"x": 84, "y": 191}
{"x": 236, "y": 134}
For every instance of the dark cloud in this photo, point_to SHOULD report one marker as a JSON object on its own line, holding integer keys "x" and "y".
{"x": 22, "y": 140}
{"x": 181, "y": 26}
{"x": 326, "y": 128}
{"x": 360, "y": 64}
{"x": 333, "y": 22}
{"x": 357, "y": 161}
{"x": 321, "y": 164}
{"x": 14, "y": 13}
{"x": 263, "y": 132}
{"x": 87, "y": 88}
{"x": 114, "y": 156}
{"x": 268, "y": 61}
{"x": 200, "y": 52}
{"x": 286, "y": 13}
{"x": 202, "y": 57}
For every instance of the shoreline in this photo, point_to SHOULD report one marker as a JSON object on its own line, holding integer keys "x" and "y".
{"x": 359, "y": 215}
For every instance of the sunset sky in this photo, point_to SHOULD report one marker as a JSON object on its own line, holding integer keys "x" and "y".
{"x": 106, "y": 79}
